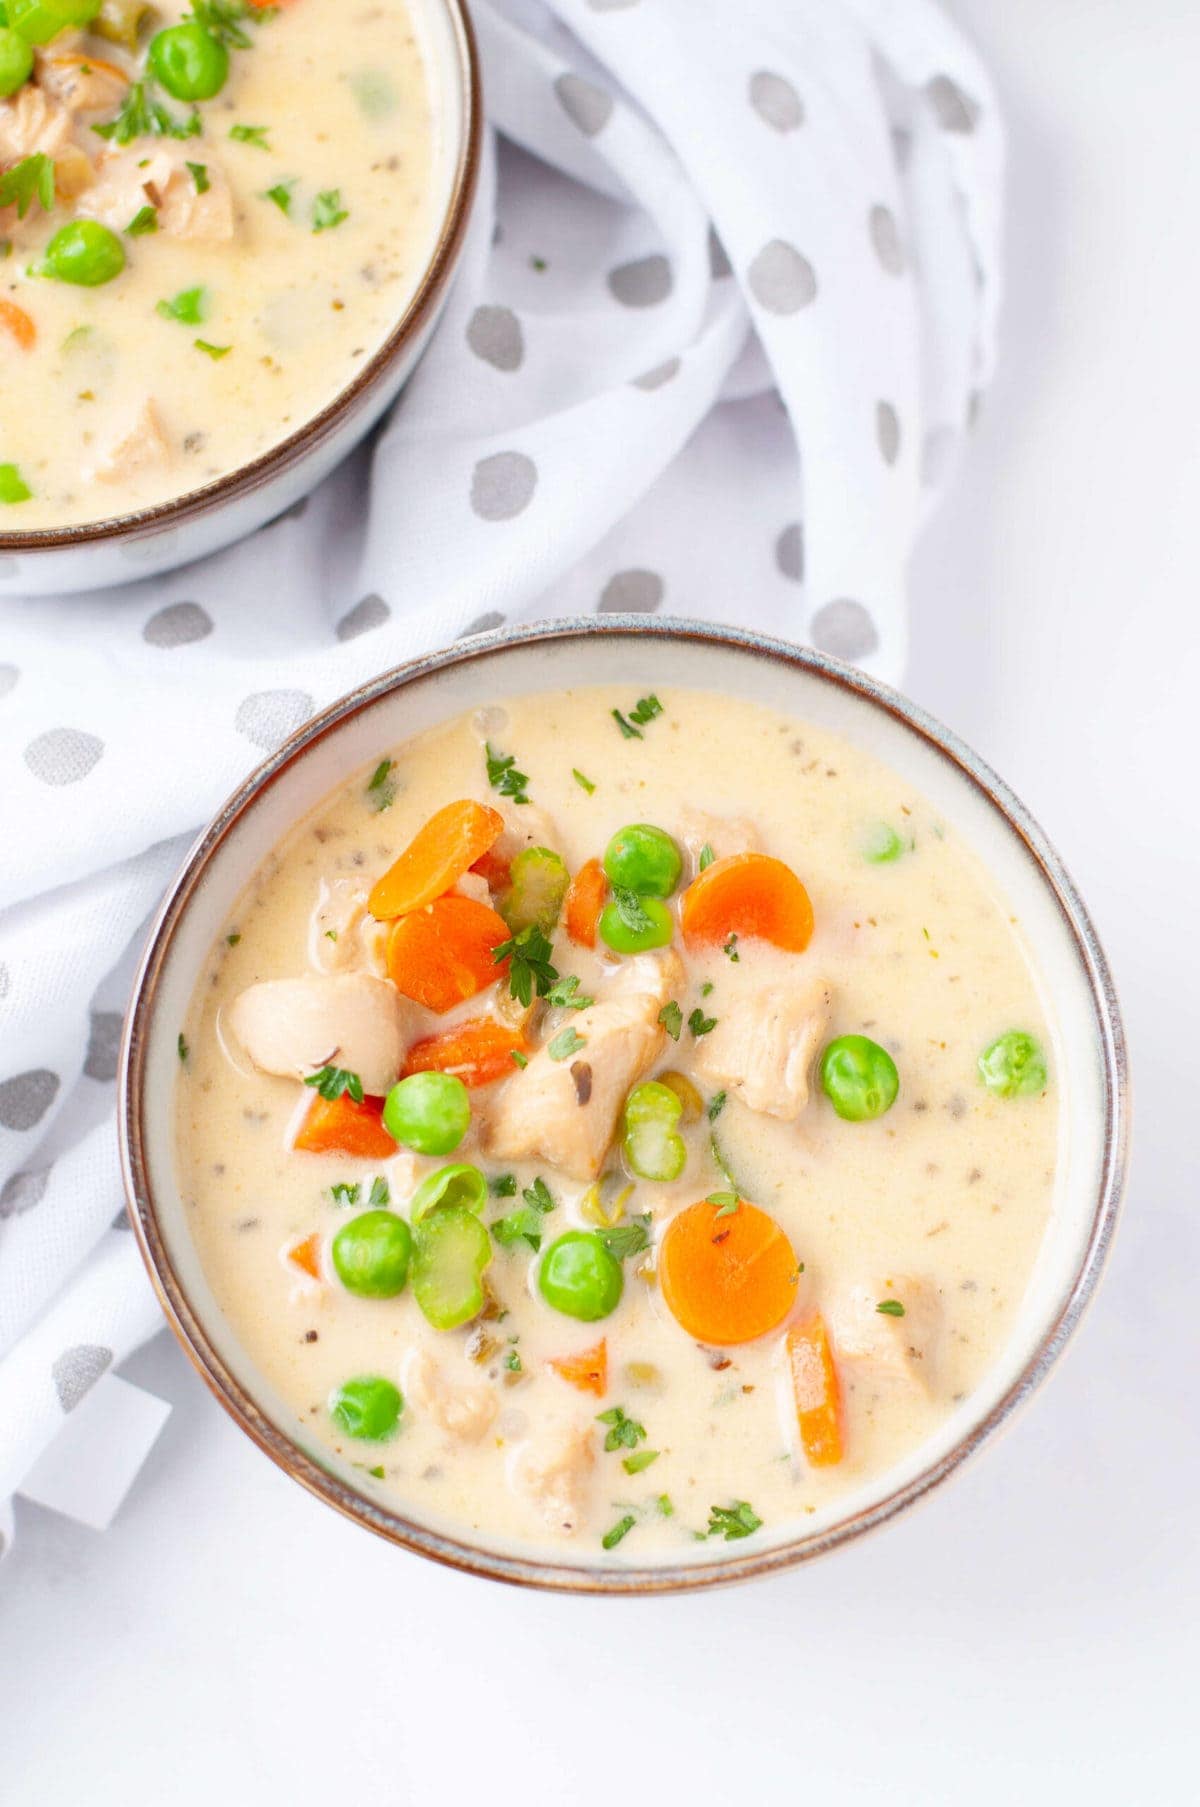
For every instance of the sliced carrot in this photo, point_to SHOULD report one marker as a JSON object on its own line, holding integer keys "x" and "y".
{"x": 587, "y": 1369}
{"x": 494, "y": 869}
{"x": 443, "y": 954}
{"x": 727, "y": 1276}
{"x": 479, "y": 1052}
{"x": 749, "y": 895}
{"x": 585, "y": 899}
{"x": 339, "y": 1126}
{"x": 817, "y": 1391}
{"x": 19, "y": 324}
{"x": 448, "y": 845}
{"x": 306, "y": 1255}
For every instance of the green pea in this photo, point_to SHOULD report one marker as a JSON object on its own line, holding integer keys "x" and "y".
{"x": 1013, "y": 1066}
{"x": 881, "y": 845}
{"x": 371, "y": 1254}
{"x": 460, "y": 1185}
{"x": 537, "y": 885}
{"x": 430, "y": 1112}
{"x": 367, "y": 1407}
{"x": 859, "y": 1077}
{"x": 451, "y": 1249}
{"x": 580, "y": 1278}
{"x": 189, "y": 62}
{"x": 634, "y": 931}
{"x": 652, "y": 1147}
{"x": 16, "y": 61}
{"x": 40, "y": 20}
{"x": 85, "y": 253}
{"x": 644, "y": 859}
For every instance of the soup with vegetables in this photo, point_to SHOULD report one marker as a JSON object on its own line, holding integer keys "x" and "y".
{"x": 211, "y": 215}
{"x": 619, "y": 1123}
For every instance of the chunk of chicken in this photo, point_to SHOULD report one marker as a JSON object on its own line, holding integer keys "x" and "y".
{"x": 138, "y": 448}
{"x": 350, "y": 1020}
{"x": 129, "y": 180}
{"x": 552, "y": 1469}
{"x": 764, "y": 1045}
{"x": 891, "y": 1348}
{"x": 565, "y": 1111}
{"x": 33, "y": 121}
{"x": 464, "y": 1409}
{"x": 724, "y": 834}
{"x": 82, "y": 83}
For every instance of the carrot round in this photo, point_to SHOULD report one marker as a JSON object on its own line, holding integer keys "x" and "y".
{"x": 448, "y": 845}
{"x": 749, "y": 895}
{"x": 817, "y": 1391}
{"x": 19, "y": 324}
{"x": 587, "y": 1369}
{"x": 444, "y": 954}
{"x": 339, "y": 1126}
{"x": 306, "y": 1255}
{"x": 585, "y": 899}
{"x": 478, "y": 1052}
{"x": 727, "y": 1275}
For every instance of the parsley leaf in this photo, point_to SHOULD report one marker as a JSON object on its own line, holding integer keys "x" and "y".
{"x": 565, "y": 995}
{"x": 567, "y": 1042}
{"x": 380, "y": 1193}
{"x": 629, "y": 732}
{"x": 525, "y": 1223}
{"x": 13, "y": 487}
{"x": 251, "y": 134}
{"x": 647, "y": 708}
{"x": 891, "y": 1308}
{"x": 621, "y": 1529}
{"x": 345, "y": 1192}
{"x": 233, "y": 939}
{"x": 512, "y": 1362}
{"x": 584, "y": 783}
{"x": 707, "y": 856}
{"x": 503, "y": 1185}
{"x": 30, "y": 180}
{"x": 327, "y": 210}
{"x": 518, "y": 1059}
{"x": 730, "y": 948}
{"x": 382, "y": 787}
{"x": 503, "y": 775}
{"x": 530, "y": 955}
{"x": 190, "y": 307}
{"x": 623, "y": 1432}
{"x": 144, "y": 220}
{"x": 182, "y": 1047}
{"x": 716, "y": 1106}
{"x": 640, "y": 1460}
{"x": 331, "y": 1082}
{"x": 671, "y": 1018}
{"x": 728, "y": 1202}
{"x": 222, "y": 19}
{"x": 281, "y": 194}
{"x": 631, "y": 910}
{"x": 731, "y": 1522}
{"x": 142, "y": 116}
{"x": 200, "y": 177}
{"x": 626, "y": 1239}
{"x": 665, "y": 1508}
{"x": 215, "y": 352}
{"x": 699, "y": 1024}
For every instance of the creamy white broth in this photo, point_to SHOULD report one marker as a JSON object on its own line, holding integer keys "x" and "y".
{"x": 950, "y": 1190}
{"x": 342, "y": 94}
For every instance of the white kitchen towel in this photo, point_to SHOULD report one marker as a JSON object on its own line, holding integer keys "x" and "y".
{"x": 726, "y": 309}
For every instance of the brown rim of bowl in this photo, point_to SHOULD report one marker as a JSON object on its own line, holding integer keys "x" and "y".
{"x": 563, "y": 1576}
{"x": 146, "y": 522}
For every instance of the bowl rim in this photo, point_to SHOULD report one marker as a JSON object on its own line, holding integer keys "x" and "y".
{"x": 310, "y": 434}
{"x": 454, "y": 1551}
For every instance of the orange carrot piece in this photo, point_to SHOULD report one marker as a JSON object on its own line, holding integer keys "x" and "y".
{"x": 749, "y": 895}
{"x": 585, "y": 899}
{"x": 479, "y": 1052}
{"x": 448, "y": 845}
{"x": 587, "y": 1369}
{"x": 727, "y": 1278}
{"x": 817, "y": 1391}
{"x": 443, "y": 954}
{"x": 19, "y": 324}
{"x": 306, "y": 1255}
{"x": 494, "y": 869}
{"x": 339, "y": 1126}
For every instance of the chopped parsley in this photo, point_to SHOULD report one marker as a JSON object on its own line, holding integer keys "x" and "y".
{"x": 623, "y": 1432}
{"x": 564, "y": 995}
{"x": 529, "y": 953}
{"x": 707, "y": 856}
{"x": 222, "y": 19}
{"x": 144, "y": 220}
{"x": 199, "y": 172}
{"x": 141, "y": 116}
{"x": 30, "y": 180}
{"x": 671, "y": 1018}
{"x": 699, "y": 1024}
{"x": 512, "y": 1362}
{"x": 645, "y": 710}
{"x": 189, "y": 307}
{"x": 503, "y": 1185}
{"x": 665, "y": 1508}
{"x": 281, "y": 194}
{"x": 331, "y": 1082}
{"x": 182, "y": 1047}
{"x": 628, "y": 731}
{"x": 727, "y": 1201}
{"x": 626, "y": 1239}
{"x": 730, "y": 948}
{"x": 503, "y": 775}
{"x": 250, "y": 134}
{"x": 716, "y": 1106}
{"x": 584, "y": 783}
{"x": 13, "y": 487}
{"x": 631, "y": 910}
{"x": 345, "y": 1192}
{"x": 640, "y": 1460}
{"x": 518, "y": 1059}
{"x": 525, "y": 1223}
{"x": 380, "y": 1193}
{"x": 621, "y": 1529}
{"x": 382, "y": 787}
{"x": 567, "y": 1042}
{"x": 891, "y": 1308}
{"x": 331, "y": 935}
{"x": 215, "y": 352}
{"x": 327, "y": 210}
{"x": 232, "y": 940}
{"x": 732, "y": 1522}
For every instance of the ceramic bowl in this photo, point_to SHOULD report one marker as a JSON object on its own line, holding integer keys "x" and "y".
{"x": 99, "y": 554}
{"x": 643, "y": 655}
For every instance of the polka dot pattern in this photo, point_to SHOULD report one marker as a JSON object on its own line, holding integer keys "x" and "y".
{"x": 494, "y": 334}
{"x": 77, "y": 1370}
{"x": 844, "y": 629}
{"x": 63, "y": 755}
{"x": 632, "y": 593}
{"x": 104, "y": 1044}
{"x": 22, "y": 1191}
{"x": 643, "y": 283}
{"x": 782, "y": 280}
{"x": 789, "y": 552}
{"x": 25, "y": 1099}
{"x": 776, "y": 101}
{"x": 269, "y": 716}
{"x": 954, "y": 110}
{"x": 719, "y": 265}
{"x": 662, "y": 373}
{"x": 371, "y": 612}
{"x": 887, "y": 431}
{"x": 179, "y": 624}
{"x": 885, "y": 239}
{"x": 583, "y": 102}
{"x": 503, "y": 485}
{"x": 483, "y": 624}
{"x": 611, "y": 6}
{"x": 8, "y": 679}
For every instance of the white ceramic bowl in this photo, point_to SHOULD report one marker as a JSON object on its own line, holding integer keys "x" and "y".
{"x": 101, "y": 553}
{"x": 1089, "y": 1056}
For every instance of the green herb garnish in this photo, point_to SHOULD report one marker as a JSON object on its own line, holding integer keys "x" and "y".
{"x": 635, "y": 1464}
{"x": 730, "y": 948}
{"x": 584, "y": 783}
{"x": 665, "y": 1508}
{"x": 631, "y": 910}
{"x": 732, "y": 1522}
{"x": 141, "y": 116}
{"x": 518, "y": 1059}
{"x": 200, "y": 177}
{"x": 327, "y": 210}
{"x": 144, "y": 220}
{"x": 215, "y": 352}
{"x": 345, "y": 1192}
{"x": 621, "y": 1529}
{"x": 626, "y": 1239}
{"x": 331, "y": 1082}
{"x": 623, "y": 1432}
{"x": 671, "y": 1018}
{"x": 189, "y": 307}
{"x": 707, "y": 856}
{"x": 567, "y": 1042}
{"x": 232, "y": 940}
{"x": 382, "y": 787}
{"x": 281, "y": 194}
{"x": 565, "y": 995}
{"x": 891, "y": 1308}
{"x": 512, "y": 1362}
{"x": 503, "y": 1185}
{"x": 503, "y": 775}
{"x": 529, "y": 953}
{"x": 715, "y": 1106}
{"x": 251, "y": 134}
{"x": 699, "y": 1024}
{"x": 525, "y": 1223}
{"x": 30, "y": 180}
{"x": 728, "y": 1202}
{"x": 380, "y": 1196}
{"x": 223, "y": 19}
{"x": 13, "y": 487}
{"x": 182, "y": 1047}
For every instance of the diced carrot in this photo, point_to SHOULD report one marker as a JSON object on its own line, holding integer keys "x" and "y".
{"x": 479, "y": 1052}
{"x": 587, "y": 1369}
{"x": 448, "y": 845}
{"x": 585, "y": 899}
{"x": 18, "y": 323}
{"x": 817, "y": 1391}
{"x": 727, "y": 1275}
{"x": 749, "y": 895}
{"x": 494, "y": 869}
{"x": 306, "y": 1255}
{"x": 443, "y": 954}
{"x": 339, "y": 1126}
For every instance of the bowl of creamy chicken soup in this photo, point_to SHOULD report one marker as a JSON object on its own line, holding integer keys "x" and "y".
{"x": 623, "y": 1106}
{"x": 226, "y": 230}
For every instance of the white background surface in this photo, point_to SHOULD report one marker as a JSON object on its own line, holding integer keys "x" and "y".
{"x": 1031, "y": 1633}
